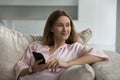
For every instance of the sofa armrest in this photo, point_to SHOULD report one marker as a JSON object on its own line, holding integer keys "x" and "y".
{"x": 78, "y": 72}
{"x": 108, "y": 70}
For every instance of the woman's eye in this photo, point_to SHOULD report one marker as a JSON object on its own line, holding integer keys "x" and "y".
{"x": 59, "y": 25}
{"x": 67, "y": 25}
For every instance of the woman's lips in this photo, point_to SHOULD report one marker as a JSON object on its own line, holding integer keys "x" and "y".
{"x": 65, "y": 34}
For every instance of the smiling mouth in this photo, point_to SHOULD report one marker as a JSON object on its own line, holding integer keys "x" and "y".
{"x": 65, "y": 34}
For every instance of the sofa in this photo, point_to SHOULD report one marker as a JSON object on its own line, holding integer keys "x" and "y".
{"x": 13, "y": 45}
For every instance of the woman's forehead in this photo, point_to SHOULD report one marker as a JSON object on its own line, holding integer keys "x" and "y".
{"x": 63, "y": 19}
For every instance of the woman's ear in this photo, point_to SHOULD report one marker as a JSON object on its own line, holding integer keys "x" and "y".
{"x": 51, "y": 30}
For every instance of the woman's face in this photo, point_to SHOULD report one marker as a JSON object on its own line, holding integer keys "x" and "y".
{"x": 62, "y": 28}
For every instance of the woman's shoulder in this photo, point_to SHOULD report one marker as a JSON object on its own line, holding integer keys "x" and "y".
{"x": 36, "y": 43}
{"x": 76, "y": 44}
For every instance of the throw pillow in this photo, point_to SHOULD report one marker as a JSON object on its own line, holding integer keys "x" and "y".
{"x": 84, "y": 36}
{"x": 78, "y": 72}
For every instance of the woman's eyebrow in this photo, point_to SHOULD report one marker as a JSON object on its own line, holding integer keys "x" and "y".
{"x": 63, "y": 23}
{"x": 59, "y": 23}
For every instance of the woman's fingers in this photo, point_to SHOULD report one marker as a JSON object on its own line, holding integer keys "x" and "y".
{"x": 39, "y": 61}
{"x": 39, "y": 67}
{"x": 53, "y": 64}
{"x": 42, "y": 67}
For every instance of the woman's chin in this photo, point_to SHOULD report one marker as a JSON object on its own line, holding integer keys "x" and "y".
{"x": 64, "y": 38}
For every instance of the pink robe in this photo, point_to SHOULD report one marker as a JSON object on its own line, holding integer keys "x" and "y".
{"x": 65, "y": 52}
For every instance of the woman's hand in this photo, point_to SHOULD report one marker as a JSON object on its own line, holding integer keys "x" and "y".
{"x": 38, "y": 68}
{"x": 63, "y": 64}
{"x": 35, "y": 68}
{"x": 53, "y": 64}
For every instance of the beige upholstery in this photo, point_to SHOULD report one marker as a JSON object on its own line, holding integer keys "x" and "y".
{"x": 85, "y": 36}
{"x": 12, "y": 46}
{"x": 108, "y": 70}
{"x": 78, "y": 72}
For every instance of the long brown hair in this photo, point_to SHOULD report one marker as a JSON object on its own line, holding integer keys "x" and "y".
{"x": 48, "y": 35}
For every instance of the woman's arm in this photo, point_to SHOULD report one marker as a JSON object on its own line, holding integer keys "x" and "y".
{"x": 35, "y": 68}
{"x": 87, "y": 55}
{"x": 85, "y": 59}
{"x": 24, "y": 72}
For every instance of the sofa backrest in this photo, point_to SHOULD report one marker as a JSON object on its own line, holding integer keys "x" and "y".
{"x": 13, "y": 45}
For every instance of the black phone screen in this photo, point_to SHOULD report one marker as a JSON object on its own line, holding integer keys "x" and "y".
{"x": 39, "y": 56}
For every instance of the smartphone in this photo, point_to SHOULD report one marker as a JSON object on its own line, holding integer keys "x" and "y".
{"x": 39, "y": 56}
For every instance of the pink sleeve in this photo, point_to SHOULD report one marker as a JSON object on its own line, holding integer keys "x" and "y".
{"x": 92, "y": 51}
{"x": 24, "y": 62}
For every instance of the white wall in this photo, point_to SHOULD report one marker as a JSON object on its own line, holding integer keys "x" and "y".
{"x": 98, "y": 15}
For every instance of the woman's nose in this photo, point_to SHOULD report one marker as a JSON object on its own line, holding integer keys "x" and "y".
{"x": 64, "y": 28}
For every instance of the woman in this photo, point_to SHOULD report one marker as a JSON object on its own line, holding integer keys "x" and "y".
{"x": 60, "y": 49}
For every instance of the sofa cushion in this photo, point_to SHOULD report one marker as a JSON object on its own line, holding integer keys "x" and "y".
{"x": 78, "y": 72}
{"x": 12, "y": 46}
{"x": 84, "y": 36}
{"x": 108, "y": 70}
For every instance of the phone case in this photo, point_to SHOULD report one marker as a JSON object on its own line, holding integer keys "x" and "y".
{"x": 39, "y": 56}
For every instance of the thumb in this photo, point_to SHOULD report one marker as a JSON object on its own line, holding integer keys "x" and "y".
{"x": 38, "y": 61}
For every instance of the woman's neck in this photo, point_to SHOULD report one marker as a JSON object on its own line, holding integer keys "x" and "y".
{"x": 55, "y": 47}
{"x": 57, "y": 44}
